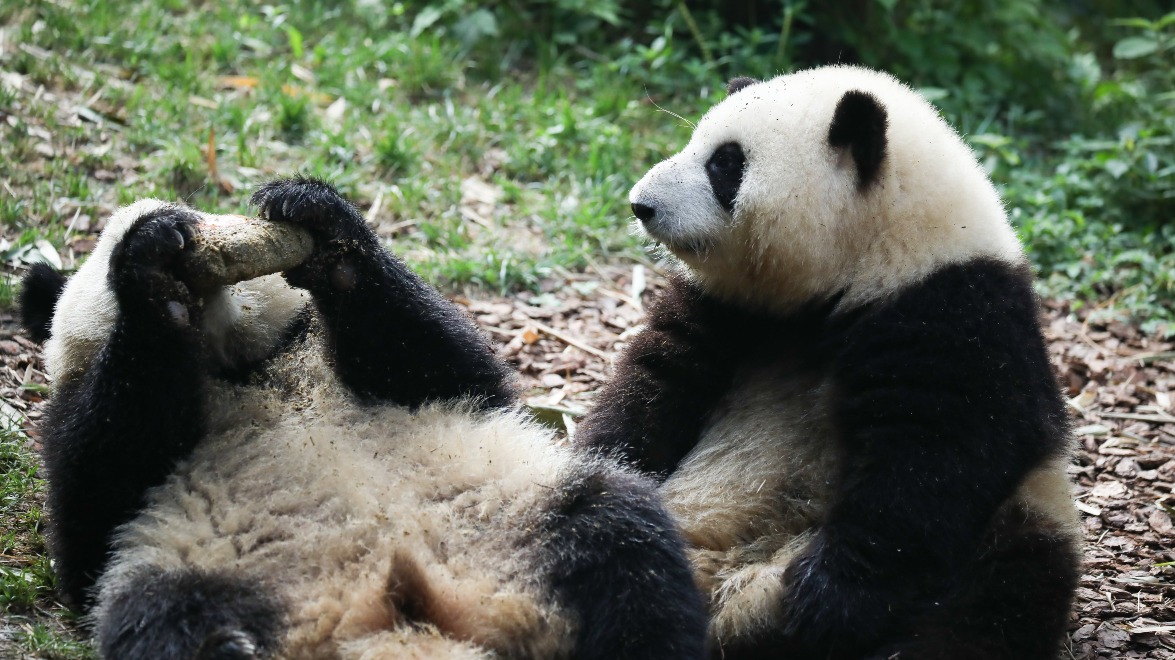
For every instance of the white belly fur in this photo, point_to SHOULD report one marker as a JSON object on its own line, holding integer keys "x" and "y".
{"x": 336, "y": 506}
{"x": 748, "y": 493}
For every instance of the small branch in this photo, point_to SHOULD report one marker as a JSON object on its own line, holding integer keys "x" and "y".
{"x": 546, "y": 329}
{"x": 1154, "y": 419}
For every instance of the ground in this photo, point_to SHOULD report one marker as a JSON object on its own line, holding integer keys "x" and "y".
{"x": 1120, "y": 386}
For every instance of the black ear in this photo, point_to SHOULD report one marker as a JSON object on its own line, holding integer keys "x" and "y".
{"x": 39, "y": 291}
{"x": 859, "y": 123}
{"x": 735, "y": 84}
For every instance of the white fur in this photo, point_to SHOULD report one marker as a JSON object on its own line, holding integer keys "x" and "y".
{"x": 370, "y": 501}
{"x": 801, "y": 230}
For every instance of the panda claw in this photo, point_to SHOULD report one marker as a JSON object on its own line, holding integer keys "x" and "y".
{"x": 228, "y": 645}
{"x": 287, "y": 208}
{"x": 178, "y": 312}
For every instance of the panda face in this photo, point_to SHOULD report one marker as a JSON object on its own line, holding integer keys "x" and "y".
{"x": 832, "y": 181}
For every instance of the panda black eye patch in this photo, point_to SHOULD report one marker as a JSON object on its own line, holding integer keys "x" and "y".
{"x": 725, "y": 169}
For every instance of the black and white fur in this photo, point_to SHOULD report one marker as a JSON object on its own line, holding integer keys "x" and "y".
{"x": 332, "y": 469}
{"x": 845, "y": 390}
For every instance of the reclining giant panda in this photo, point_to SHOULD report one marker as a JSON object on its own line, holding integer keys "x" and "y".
{"x": 845, "y": 390}
{"x": 332, "y": 469}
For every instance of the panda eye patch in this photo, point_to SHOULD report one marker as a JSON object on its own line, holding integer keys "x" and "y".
{"x": 725, "y": 169}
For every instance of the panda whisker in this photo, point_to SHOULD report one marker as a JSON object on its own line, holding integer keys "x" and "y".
{"x": 670, "y": 112}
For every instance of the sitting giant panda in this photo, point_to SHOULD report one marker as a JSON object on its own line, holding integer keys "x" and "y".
{"x": 845, "y": 390}
{"x": 334, "y": 470}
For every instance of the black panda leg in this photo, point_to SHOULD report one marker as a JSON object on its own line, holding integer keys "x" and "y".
{"x": 189, "y": 614}
{"x": 1013, "y": 604}
{"x": 615, "y": 560}
{"x": 117, "y": 429}
{"x": 393, "y": 337}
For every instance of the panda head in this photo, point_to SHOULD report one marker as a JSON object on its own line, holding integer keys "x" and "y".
{"x": 240, "y": 323}
{"x": 836, "y": 181}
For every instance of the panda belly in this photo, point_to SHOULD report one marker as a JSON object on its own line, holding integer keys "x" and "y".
{"x": 391, "y": 534}
{"x": 747, "y": 495}
{"x": 762, "y": 465}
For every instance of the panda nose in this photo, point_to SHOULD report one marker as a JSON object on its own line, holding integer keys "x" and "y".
{"x": 644, "y": 212}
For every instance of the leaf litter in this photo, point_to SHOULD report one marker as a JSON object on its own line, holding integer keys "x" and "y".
{"x": 1120, "y": 384}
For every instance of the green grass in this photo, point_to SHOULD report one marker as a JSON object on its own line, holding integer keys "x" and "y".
{"x": 34, "y": 625}
{"x": 332, "y": 90}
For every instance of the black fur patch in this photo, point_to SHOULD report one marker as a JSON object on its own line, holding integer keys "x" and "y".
{"x": 190, "y": 614}
{"x": 393, "y": 337}
{"x": 39, "y": 290}
{"x": 725, "y": 170}
{"x": 740, "y": 83}
{"x": 859, "y": 123}
{"x": 945, "y": 401}
{"x": 614, "y": 558}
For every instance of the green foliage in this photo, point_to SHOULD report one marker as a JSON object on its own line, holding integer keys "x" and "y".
{"x": 1097, "y": 212}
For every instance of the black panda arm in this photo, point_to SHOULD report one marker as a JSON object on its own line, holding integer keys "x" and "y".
{"x": 945, "y": 402}
{"x": 666, "y": 383}
{"x": 117, "y": 429}
{"x": 392, "y": 337}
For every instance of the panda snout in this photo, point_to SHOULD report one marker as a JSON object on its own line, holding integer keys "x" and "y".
{"x": 644, "y": 212}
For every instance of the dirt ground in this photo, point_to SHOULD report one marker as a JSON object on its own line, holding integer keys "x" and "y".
{"x": 1120, "y": 385}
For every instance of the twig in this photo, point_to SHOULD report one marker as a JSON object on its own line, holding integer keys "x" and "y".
{"x": 1155, "y": 418}
{"x": 1154, "y": 357}
{"x": 569, "y": 340}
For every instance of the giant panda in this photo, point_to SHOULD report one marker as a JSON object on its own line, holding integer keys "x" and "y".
{"x": 325, "y": 463}
{"x": 844, "y": 389}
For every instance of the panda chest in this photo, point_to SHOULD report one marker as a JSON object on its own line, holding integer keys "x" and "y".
{"x": 763, "y": 463}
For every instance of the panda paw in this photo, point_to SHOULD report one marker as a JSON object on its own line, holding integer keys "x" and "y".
{"x": 341, "y": 236}
{"x": 143, "y": 266}
{"x": 830, "y": 608}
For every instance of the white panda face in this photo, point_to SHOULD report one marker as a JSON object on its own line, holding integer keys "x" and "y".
{"x": 838, "y": 180}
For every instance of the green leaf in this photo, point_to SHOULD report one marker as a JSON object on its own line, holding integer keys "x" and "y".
{"x": 1135, "y": 47}
{"x": 295, "y": 38}
{"x": 425, "y": 19}
{"x": 933, "y": 94}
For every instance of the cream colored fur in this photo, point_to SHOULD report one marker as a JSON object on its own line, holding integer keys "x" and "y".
{"x": 242, "y": 322}
{"x": 801, "y": 230}
{"x": 747, "y": 496}
{"x": 348, "y": 512}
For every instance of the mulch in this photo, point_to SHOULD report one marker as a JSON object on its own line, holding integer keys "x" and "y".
{"x": 1120, "y": 384}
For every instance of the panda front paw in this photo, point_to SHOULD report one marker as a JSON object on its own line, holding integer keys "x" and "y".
{"x": 142, "y": 268}
{"x": 831, "y": 608}
{"x": 342, "y": 239}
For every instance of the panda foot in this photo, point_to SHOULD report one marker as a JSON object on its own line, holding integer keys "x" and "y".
{"x": 342, "y": 238}
{"x": 142, "y": 266}
{"x": 312, "y": 204}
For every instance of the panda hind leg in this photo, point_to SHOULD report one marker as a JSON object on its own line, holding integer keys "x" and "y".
{"x": 615, "y": 560}
{"x": 1013, "y": 605}
{"x": 188, "y": 614}
{"x": 392, "y": 337}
